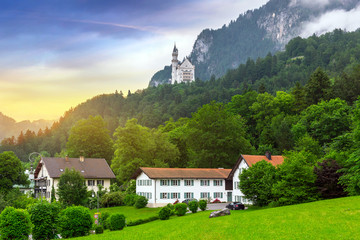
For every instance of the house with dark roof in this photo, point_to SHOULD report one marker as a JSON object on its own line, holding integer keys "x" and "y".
{"x": 47, "y": 174}
{"x": 167, "y": 185}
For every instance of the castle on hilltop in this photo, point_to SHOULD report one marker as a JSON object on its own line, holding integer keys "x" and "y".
{"x": 181, "y": 71}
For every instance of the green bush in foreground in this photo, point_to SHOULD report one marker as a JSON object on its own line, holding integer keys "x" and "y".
{"x": 172, "y": 208}
{"x": 74, "y": 222}
{"x": 193, "y": 206}
{"x": 44, "y": 217}
{"x": 99, "y": 229}
{"x": 180, "y": 209}
{"x": 104, "y": 219}
{"x": 165, "y": 213}
{"x": 130, "y": 199}
{"x": 141, "y": 202}
{"x": 202, "y": 205}
{"x": 142, "y": 221}
{"x": 117, "y": 221}
{"x": 14, "y": 224}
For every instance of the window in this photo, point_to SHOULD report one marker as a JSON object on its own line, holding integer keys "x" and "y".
{"x": 238, "y": 199}
{"x": 175, "y": 182}
{"x": 204, "y": 182}
{"x": 205, "y": 195}
{"x": 236, "y": 185}
{"x": 148, "y": 195}
{"x": 144, "y": 182}
{"x": 164, "y": 182}
{"x": 189, "y": 182}
{"x": 218, "y": 195}
{"x": 188, "y": 195}
{"x": 91, "y": 182}
{"x": 218, "y": 182}
{"x": 164, "y": 195}
{"x": 175, "y": 195}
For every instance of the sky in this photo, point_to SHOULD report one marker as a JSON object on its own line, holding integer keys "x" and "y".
{"x": 57, "y": 54}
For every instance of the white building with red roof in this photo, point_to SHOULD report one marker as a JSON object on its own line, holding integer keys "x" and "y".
{"x": 167, "y": 185}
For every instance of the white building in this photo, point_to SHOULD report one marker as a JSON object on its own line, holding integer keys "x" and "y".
{"x": 47, "y": 174}
{"x": 167, "y": 185}
{"x": 181, "y": 71}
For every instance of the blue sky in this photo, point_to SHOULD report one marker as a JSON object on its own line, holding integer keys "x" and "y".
{"x": 56, "y": 54}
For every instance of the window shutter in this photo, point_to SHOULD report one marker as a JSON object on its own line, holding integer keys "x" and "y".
{"x": 221, "y": 182}
{"x": 161, "y": 196}
{"x": 221, "y": 195}
{"x": 179, "y": 195}
{"x": 192, "y": 195}
{"x": 214, "y": 182}
{"x": 214, "y": 195}
{"x": 161, "y": 182}
{"x": 178, "y": 182}
{"x": 209, "y": 194}
{"x": 184, "y": 194}
{"x": 168, "y": 195}
{"x": 192, "y": 182}
{"x": 201, "y": 182}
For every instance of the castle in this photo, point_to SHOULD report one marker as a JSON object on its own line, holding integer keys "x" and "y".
{"x": 181, "y": 72}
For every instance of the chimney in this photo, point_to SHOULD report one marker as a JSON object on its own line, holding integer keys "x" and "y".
{"x": 268, "y": 155}
{"x": 67, "y": 158}
{"x": 82, "y": 158}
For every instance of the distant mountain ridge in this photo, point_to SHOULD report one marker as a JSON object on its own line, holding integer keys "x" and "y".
{"x": 9, "y": 127}
{"x": 253, "y": 34}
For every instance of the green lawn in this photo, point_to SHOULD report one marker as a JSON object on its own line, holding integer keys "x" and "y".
{"x": 131, "y": 213}
{"x": 330, "y": 219}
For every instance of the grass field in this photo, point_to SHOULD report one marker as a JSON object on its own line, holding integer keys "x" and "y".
{"x": 131, "y": 213}
{"x": 330, "y": 219}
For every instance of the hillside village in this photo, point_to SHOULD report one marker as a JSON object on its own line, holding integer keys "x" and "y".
{"x": 279, "y": 130}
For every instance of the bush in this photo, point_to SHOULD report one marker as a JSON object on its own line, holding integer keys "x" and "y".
{"x": 103, "y": 220}
{"x": 141, "y": 202}
{"x": 117, "y": 221}
{"x": 193, "y": 206}
{"x": 202, "y": 205}
{"x": 99, "y": 229}
{"x": 129, "y": 199}
{"x": 141, "y": 221}
{"x": 172, "y": 208}
{"x": 112, "y": 199}
{"x": 14, "y": 224}
{"x": 180, "y": 209}
{"x": 216, "y": 201}
{"x": 44, "y": 217}
{"x": 165, "y": 213}
{"x": 75, "y": 221}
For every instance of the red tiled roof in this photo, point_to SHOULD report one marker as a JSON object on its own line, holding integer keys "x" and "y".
{"x": 188, "y": 173}
{"x": 252, "y": 159}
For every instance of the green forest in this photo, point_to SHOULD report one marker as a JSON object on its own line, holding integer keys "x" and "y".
{"x": 302, "y": 103}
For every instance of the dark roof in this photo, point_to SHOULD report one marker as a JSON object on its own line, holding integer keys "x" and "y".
{"x": 89, "y": 168}
{"x": 183, "y": 173}
{"x": 252, "y": 159}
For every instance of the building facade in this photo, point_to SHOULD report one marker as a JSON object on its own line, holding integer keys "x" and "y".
{"x": 167, "y": 185}
{"x": 181, "y": 71}
{"x": 96, "y": 171}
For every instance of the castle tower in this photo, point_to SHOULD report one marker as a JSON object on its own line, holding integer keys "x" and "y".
{"x": 174, "y": 63}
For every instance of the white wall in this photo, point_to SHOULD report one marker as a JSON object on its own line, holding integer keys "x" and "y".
{"x": 237, "y": 194}
{"x": 156, "y": 189}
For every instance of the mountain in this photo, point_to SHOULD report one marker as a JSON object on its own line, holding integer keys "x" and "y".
{"x": 254, "y": 34}
{"x": 9, "y": 127}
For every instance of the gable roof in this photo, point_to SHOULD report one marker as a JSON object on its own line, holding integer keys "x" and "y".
{"x": 89, "y": 168}
{"x": 183, "y": 173}
{"x": 252, "y": 159}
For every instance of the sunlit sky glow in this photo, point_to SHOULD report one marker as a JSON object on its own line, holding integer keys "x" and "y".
{"x": 57, "y": 54}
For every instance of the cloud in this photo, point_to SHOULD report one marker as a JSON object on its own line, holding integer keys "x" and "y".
{"x": 347, "y": 20}
{"x": 311, "y": 3}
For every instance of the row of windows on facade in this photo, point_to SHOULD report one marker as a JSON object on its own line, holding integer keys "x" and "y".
{"x": 98, "y": 182}
{"x": 178, "y": 182}
{"x": 241, "y": 199}
{"x": 190, "y": 195}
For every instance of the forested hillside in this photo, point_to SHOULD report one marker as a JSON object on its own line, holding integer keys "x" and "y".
{"x": 300, "y": 98}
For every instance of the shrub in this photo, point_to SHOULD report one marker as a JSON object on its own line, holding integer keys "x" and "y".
{"x": 141, "y": 202}
{"x": 99, "y": 229}
{"x": 172, "y": 208}
{"x": 103, "y": 220}
{"x": 141, "y": 221}
{"x": 44, "y": 217}
{"x": 14, "y": 224}
{"x": 193, "y": 206}
{"x": 180, "y": 209}
{"x": 165, "y": 213}
{"x": 75, "y": 221}
{"x": 202, "y": 205}
{"x": 129, "y": 199}
{"x": 216, "y": 201}
{"x": 112, "y": 199}
{"x": 117, "y": 221}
